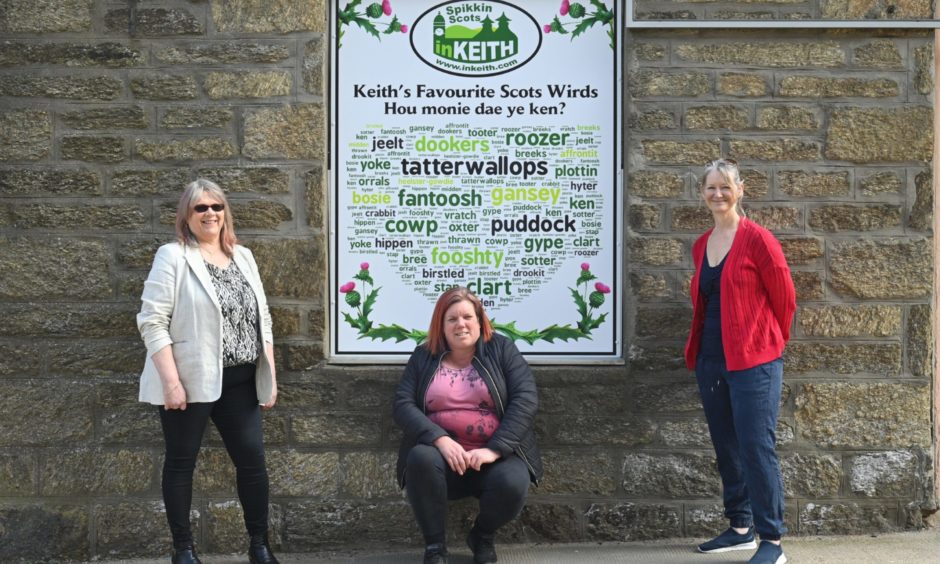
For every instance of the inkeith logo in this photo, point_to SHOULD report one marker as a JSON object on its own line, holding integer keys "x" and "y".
{"x": 476, "y": 38}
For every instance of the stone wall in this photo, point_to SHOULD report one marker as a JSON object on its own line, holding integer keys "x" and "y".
{"x": 107, "y": 108}
{"x": 834, "y": 133}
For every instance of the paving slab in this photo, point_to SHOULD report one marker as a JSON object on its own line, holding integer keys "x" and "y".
{"x": 921, "y": 547}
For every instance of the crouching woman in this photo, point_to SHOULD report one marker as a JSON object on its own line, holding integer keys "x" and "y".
{"x": 466, "y": 403}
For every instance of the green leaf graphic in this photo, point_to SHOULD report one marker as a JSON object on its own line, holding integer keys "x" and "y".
{"x": 370, "y": 301}
{"x": 563, "y": 332}
{"x": 396, "y": 332}
{"x": 418, "y": 335}
{"x": 579, "y": 301}
{"x": 583, "y": 26}
{"x": 351, "y": 320}
{"x": 366, "y": 25}
{"x": 509, "y": 329}
{"x": 601, "y": 7}
{"x": 594, "y": 324}
{"x": 349, "y": 12}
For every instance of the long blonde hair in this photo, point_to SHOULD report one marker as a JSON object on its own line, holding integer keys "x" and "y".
{"x": 184, "y": 210}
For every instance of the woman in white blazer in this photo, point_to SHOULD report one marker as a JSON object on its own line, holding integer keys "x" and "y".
{"x": 210, "y": 355}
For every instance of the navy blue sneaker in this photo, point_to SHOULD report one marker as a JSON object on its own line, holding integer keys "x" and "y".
{"x": 729, "y": 540}
{"x": 768, "y": 553}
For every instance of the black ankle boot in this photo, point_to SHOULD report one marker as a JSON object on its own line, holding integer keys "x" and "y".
{"x": 259, "y": 551}
{"x": 186, "y": 555}
{"x": 435, "y": 553}
{"x": 482, "y": 546}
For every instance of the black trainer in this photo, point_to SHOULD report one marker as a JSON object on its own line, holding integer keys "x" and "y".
{"x": 482, "y": 546}
{"x": 729, "y": 540}
{"x": 435, "y": 553}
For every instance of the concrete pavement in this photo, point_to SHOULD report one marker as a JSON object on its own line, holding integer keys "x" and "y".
{"x": 897, "y": 548}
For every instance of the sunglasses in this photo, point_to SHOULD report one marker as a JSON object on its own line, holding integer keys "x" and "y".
{"x": 203, "y": 208}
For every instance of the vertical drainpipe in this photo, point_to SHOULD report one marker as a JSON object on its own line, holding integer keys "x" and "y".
{"x": 935, "y": 299}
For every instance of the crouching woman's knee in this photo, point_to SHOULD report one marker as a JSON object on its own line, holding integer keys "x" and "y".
{"x": 424, "y": 460}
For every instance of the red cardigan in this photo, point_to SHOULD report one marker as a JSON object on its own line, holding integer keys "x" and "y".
{"x": 757, "y": 299}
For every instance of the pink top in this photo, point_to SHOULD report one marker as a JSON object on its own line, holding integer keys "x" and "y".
{"x": 459, "y": 401}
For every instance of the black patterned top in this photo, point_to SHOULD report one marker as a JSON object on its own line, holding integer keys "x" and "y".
{"x": 240, "y": 342}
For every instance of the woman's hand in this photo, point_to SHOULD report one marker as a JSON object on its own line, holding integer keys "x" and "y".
{"x": 477, "y": 457}
{"x": 269, "y": 353}
{"x": 271, "y": 403}
{"x": 174, "y": 397}
{"x": 453, "y": 453}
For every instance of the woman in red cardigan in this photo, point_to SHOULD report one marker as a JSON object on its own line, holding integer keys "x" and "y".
{"x": 743, "y": 304}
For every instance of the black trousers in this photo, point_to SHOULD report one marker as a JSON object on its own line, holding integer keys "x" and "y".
{"x": 501, "y": 488}
{"x": 237, "y": 416}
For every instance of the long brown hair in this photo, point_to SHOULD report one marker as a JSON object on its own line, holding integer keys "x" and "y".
{"x": 184, "y": 210}
{"x": 436, "y": 342}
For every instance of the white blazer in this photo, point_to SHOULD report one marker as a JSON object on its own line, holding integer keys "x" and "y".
{"x": 180, "y": 308}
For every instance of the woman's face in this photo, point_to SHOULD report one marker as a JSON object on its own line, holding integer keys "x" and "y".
{"x": 461, "y": 326}
{"x": 720, "y": 194}
{"x": 207, "y": 225}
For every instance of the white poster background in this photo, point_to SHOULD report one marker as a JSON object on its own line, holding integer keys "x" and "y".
{"x": 371, "y": 75}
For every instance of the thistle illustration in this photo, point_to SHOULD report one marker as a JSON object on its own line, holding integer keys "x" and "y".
{"x": 586, "y": 303}
{"x": 581, "y": 20}
{"x": 374, "y": 11}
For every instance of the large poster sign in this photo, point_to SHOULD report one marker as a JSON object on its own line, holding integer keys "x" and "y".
{"x": 476, "y": 143}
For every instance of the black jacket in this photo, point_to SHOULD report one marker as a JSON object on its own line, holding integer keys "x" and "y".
{"x": 510, "y": 383}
